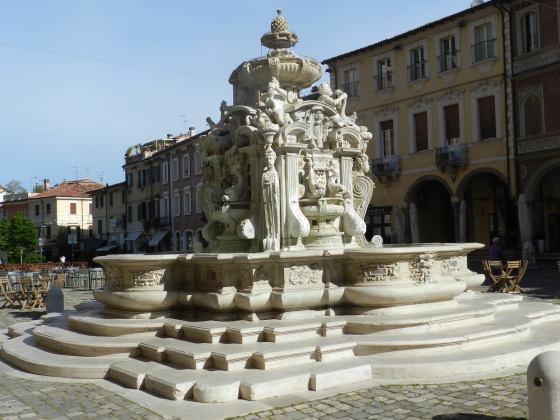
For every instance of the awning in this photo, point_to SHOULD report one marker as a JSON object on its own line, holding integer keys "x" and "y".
{"x": 106, "y": 248}
{"x": 132, "y": 236}
{"x": 157, "y": 237}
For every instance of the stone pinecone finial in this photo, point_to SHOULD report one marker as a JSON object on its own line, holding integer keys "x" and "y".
{"x": 279, "y": 23}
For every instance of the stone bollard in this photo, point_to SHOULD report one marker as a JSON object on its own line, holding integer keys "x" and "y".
{"x": 55, "y": 300}
{"x": 543, "y": 386}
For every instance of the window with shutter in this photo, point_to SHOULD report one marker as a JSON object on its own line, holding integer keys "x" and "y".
{"x": 421, "y": 131}
{"x": 452, "y": 124}
{"x": 387, "y": 137}
{"x": 533, "y": 116}
{"x": 529, "y": 32}
{"x": 487, "y": 117}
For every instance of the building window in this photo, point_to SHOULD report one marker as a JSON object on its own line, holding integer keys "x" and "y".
{"x": 100, "y": 227}
{"x": 189, "y": 241}
{"x": 197, "y": 163}
{"x": 350, "y": 85}
{"x": 529, "y": 32}
{"x": 129, "y": 214}
{"x": 384, "y": 78}
{"x": 387, "y": 137}
{"x": 129, "y": 180}
{"x": 165, "y": 169}
{"x": 452, "y": 124}
{"x": 123, "y": 197}
{"x": 176, "y": 208}
{"x": 48, "y": 234}
{"x": 417, "y": 68}
{"x": 533, "y": 113}
{"x": 73, "y": 208}
{"x": 484, "y": 46}
{"x": 187, "y": 202}
{"x": 175, "y": 169}
{"x": 421, "y": 131}
{"x": 155, "y": 174}
{"x": 111, "y": 199}
{"x": 90, "y": 208}
{"x": 186, "y": 165}
{"x": 37, "y": 210}
{"x": 199, "y": 208}
{"x": 487, "y": 117}
{"x": 447, "y": 60}
{"x": 48, "y": 208}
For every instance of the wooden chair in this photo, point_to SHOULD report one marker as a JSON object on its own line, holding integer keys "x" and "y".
{"x": 494, "y": 271}
{"x": 31, "y": 296}
{"x": 515, "y": 270}
{"x": 44, "y": 285}
{"x": 11, "y": 296}
{"x": 60, "y": 281}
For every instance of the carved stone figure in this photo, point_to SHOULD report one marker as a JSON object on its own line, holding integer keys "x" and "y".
{"x": 271, "y": 203}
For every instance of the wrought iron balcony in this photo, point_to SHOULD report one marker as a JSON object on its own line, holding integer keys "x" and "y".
{"x": 447, "y": 61}
{"x": 351, "y": 89}
{"x": 417, "y": 71}
{"x": 163, "y": 221}
{"x": 452, "y": 156}
{"x": 484, "y": 50}
{"x": 384, "y": 81}
{"x": 387, "y": 168}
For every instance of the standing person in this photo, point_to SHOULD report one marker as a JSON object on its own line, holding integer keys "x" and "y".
{"x": 63, "y": 262}
{"x": 496, "y": 253}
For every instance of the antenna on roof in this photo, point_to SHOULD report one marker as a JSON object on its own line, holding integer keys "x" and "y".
{"x": 184, "y": 117}
{"x": 101, "y": 177}
{"x": 75, "y": 168}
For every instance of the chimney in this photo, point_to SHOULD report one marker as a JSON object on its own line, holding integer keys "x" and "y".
{"x": 170, "y": 136}
{"x": 46, "y": 184}
{"x": 191, "y": 131}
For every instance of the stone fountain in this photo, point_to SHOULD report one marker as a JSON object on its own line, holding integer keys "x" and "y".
{"x": 285, "y": 189}
{"x": 286, "y": 283}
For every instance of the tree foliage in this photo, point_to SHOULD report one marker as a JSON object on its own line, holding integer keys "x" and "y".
{"x": 15, "y": 187}
{"x": 18, "y": 237}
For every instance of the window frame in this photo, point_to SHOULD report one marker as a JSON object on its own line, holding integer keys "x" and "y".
{"x": 522, "y": 46}
{"x": 420, "y": 106}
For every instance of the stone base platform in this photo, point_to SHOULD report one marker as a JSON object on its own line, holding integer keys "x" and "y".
{"x": 213, "y": 361}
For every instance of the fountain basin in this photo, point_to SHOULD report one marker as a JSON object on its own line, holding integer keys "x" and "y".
{"x": 242, "y": 285}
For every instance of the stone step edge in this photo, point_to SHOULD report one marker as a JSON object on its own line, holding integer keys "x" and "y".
{"x": 208, "y": 387}
{"x": 23, "y": 353}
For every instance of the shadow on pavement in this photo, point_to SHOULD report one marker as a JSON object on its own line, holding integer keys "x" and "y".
{"x": 465, "y": 416}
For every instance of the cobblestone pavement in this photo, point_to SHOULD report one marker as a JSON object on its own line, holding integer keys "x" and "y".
{"x": 32, "y": 397}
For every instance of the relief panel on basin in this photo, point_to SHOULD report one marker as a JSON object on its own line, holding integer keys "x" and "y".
{"x": 303, "y": 276}
{"x": 377, "y": 272}
{"x": 422, "y": 268}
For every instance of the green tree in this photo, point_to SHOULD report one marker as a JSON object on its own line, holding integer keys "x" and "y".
{"x": 18, "y": 236}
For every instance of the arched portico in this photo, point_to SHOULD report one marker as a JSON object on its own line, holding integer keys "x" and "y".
{"x": 542, "y": 191}
{"x": 435, "y": 219}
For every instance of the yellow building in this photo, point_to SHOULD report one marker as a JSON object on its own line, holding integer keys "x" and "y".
{"x": 437, "y": 101}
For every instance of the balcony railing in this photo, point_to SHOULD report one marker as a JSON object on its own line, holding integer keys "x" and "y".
{"x": 447, "y": 61}
{"x": 386, "y": 165}
{"x": 484, "y": 50}
{"x": 384, "y": 81}
{"x": 351, "y": 89}
{"x": 452, "y": 156}
{"x": 417, "y": 71}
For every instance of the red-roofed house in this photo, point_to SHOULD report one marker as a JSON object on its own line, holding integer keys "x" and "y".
{"x": 66, "y": 205}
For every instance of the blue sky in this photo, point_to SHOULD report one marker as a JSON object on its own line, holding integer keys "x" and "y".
{"x": 82, "y": 80}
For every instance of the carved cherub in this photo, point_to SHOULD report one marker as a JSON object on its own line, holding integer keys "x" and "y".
{"x": 338, "y": 102}
{"x": 276, "y": 99}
